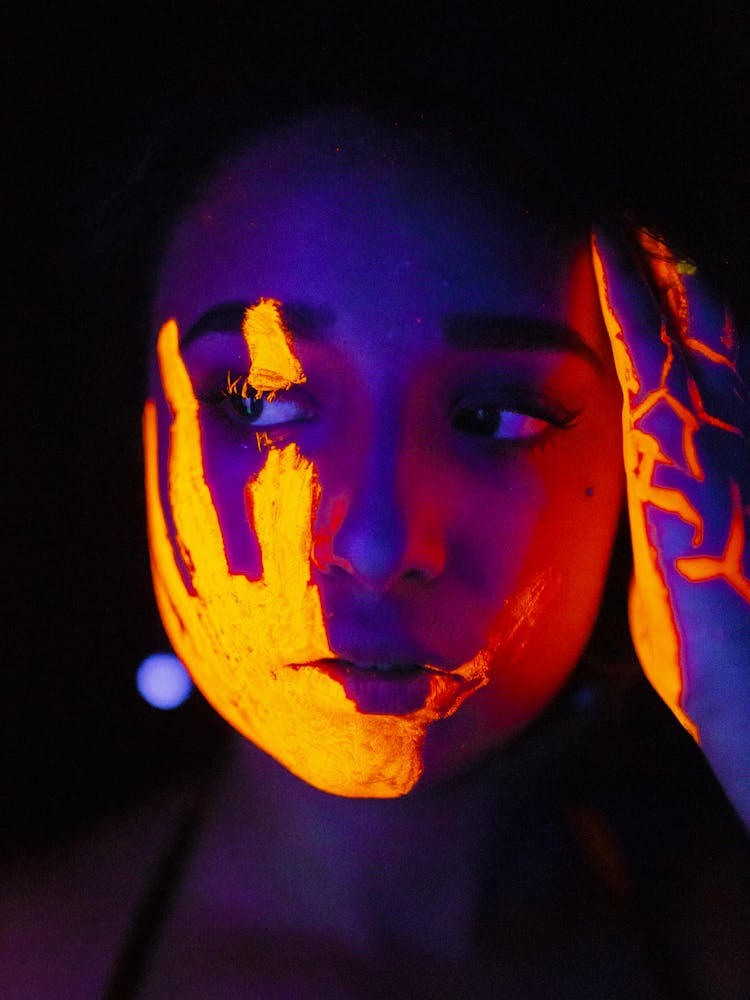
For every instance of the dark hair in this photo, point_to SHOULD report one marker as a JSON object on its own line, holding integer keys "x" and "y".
{"x": 548, "y": 149}
{"x": 183, "y": 150}
{"x": 641, "y": 112}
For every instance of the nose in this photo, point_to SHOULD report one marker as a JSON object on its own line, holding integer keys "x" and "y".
{"x": 383, "y": 529}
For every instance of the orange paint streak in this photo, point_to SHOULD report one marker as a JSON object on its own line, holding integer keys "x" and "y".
{"x": 652, "y": 622}
{"x": 641, "y": 482}
{"x": 626, "y": 371}
{"x": 669, "y": 359}
{"x": 706, "y": 418}
{"x": 708, "y": 352}
{"x": 263, "y": 440}
{"x": 668, "y": 273}
{"x": 689, "y": 426}
{"x": 664, "y": 269}
{"x": 242, "y": 638}
{"x": 525, "y": 609}
{"x": 274, "y": 365}
{"x": 728, "y": 565}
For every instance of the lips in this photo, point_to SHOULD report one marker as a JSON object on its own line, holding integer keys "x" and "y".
{"x": 394, "y": 669}
{"x": 390, "y": 688}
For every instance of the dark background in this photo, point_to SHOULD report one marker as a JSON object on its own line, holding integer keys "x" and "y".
{"x": 653, "y": 97}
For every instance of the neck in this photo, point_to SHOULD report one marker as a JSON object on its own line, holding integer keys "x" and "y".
{"x": 377, "y": 874}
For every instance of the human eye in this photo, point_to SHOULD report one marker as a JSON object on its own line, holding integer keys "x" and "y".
{"x": 265, "y": 412}
{"x": 260, "y": 411}
{"x": 522, "y": 418}
{"x": 497, "y": 423}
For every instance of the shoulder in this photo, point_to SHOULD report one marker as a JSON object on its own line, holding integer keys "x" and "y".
{"x": 65, "y": 915}
{"x": 668, "y": 846}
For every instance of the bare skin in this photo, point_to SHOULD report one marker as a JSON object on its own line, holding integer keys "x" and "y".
{"x": 450, "y": 410}
{"x": 292, "y": 892}
{"x": 392, "y": 890}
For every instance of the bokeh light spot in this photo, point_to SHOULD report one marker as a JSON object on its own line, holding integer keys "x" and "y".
{"x": 162, "y": 681}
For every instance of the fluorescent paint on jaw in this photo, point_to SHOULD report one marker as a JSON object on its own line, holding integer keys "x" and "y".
{"x": 238, "y": 636}
{"x": 274, "y": 366}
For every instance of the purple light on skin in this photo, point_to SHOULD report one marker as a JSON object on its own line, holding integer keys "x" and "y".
{"x": 162, "y": 681}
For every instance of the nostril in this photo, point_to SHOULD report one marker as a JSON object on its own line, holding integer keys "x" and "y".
{"x": 325, "y": 531}
{"x": 377, "y": 538}
{"x": 378, "y": 560}
{"x": 373, "y": 556}
{"x": 418, "y": 575}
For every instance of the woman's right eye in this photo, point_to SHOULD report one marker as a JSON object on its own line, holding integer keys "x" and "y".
{"x": 237, "y": 402}
{"x": 267, "y": 413}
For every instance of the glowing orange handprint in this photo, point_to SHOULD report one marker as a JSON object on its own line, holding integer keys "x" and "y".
{"x": 250, "y": 645}
{"x": 685, "y": 443}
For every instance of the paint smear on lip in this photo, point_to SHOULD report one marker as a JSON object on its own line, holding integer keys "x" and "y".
{"x": 397, "y": 692}
{"x": 236, "y": 635}
{"x": 515, "y": 624}
{"x": 375, "y": 694}
{"x": 526, "y": 608}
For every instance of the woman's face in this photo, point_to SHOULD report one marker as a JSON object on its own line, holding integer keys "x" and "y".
{"x": 384, "y": 469}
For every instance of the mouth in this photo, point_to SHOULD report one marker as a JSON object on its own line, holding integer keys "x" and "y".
{"x": 386, "y": 669}
{"x": 392, "y": 688}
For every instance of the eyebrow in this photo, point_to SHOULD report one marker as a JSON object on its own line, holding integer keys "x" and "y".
{"x": 516, "y": 333}
{"x": 305, "y": 321}
{"x": 468, "y": 332}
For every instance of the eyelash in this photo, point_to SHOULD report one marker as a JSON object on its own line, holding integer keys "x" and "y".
{"x": 238, "y": 389}
{"x": 512, "y": 400}
{"x": 518, "y": 402}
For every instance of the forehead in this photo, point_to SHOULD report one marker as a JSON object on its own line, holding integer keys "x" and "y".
{"x": 347, "y": 215}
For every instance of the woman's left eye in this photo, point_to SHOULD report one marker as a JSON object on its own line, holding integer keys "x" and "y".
{"x": 498, "y": 423}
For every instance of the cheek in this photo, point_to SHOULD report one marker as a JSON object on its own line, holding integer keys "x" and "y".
{"x": 583, "y": 483}
{"x": 239, "y": 636}
{"x": 246, "y": 641}
{"x": 550, "y": 507}
{"x": 548, "y": 562}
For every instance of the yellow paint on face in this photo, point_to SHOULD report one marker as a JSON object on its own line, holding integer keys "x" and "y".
{"x": 241, "y": 638}
{"x": 274, "y": 365}
{"x": 655, "y": 629}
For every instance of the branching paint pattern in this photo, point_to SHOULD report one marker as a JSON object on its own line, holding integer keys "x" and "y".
{"x": 651, "y": 446}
